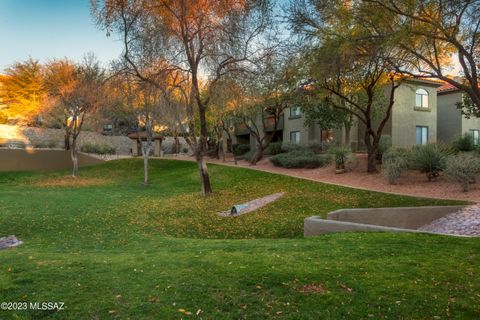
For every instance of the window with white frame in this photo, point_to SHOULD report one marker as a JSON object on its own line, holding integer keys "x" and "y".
{"x": 421, "y": 135}
{"x": 421, "y": 98}
{"x": 295, "y": 111}
{"x": 475, "y": 133}
{"x": 295, "y": 137}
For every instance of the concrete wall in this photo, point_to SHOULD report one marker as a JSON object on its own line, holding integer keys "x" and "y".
{"x": 31, "y": 160}
{"x": 376, "y": 219}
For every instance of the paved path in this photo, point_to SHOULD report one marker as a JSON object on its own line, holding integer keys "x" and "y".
{"x": 464, "y": 222}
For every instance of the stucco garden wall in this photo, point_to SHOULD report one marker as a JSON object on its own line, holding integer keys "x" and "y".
{"x": 31, "y": 136}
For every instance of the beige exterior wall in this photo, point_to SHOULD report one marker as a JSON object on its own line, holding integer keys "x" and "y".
{"x": 449, "y": 120}
{"x": 405, "y": 116}
{"x": 292, "y": 124}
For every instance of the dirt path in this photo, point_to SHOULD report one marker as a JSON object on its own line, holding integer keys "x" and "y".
{"x": 412, "y": 184}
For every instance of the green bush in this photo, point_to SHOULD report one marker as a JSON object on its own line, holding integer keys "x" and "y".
{"x": 384, "y": 144}
{"x": 464, "y": 143}
{"x": 289, "y": 147}
{"x": 97, "y": 148}
{"x": 47, "y": 144}
{"x": 300, "y": 159}
{"x": 248, "y": 156}
{"x": 395, "y": 163}
{"x": 240, "y": 149}
{"x": 429, "y": 159}
{"x": 318, "y": 147}
{"x": 275, "y": 148}
{"x": 463, "y": 169}
{"x": 340, "y": 154}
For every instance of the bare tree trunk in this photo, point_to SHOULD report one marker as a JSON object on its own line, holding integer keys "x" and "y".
{"x": 372, "y": 147}
{"x": 202, "y": 165}
{"x": 145, "y": 168}
{"x": 177, "y": 144}
{"x": 348, "y": 130}
{"x": 74, "y": 155}
{"x": 203, "y": 171}
{"x": 67, "y": 140}
{"x": 224, "y": 147}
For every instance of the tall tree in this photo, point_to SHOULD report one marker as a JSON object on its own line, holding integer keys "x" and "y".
{"x": 349, "y": 70}
{"x": 79, "y": 90}
{"x": 23, "y": 92}
{"x": 430, "y": 36}
{"x": 205, "y": 38}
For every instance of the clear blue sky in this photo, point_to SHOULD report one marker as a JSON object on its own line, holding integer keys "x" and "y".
{"x": 46, "y": 29}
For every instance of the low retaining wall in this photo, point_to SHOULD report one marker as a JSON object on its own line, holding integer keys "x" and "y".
{"x": 376, "y": 219}
{"x": 31, "y": 160}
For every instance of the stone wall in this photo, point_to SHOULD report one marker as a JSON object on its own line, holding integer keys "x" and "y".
{"x": 16, "y": 136}
{"x": 33, "y": 137}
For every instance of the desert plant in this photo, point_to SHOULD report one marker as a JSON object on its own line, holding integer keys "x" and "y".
{"x": 240, "y": 149}
{"x": 275, "y": 148}
{"x": 248, "y": 156}
{"x": 383, "y": 145}
{"x": 429, "y": 159}
{"x": 395, "y": 163}
{"x": 463, "y": 169}
{"x": 464, "y": 143}
{"x": 300, "y": 159}
{"x": 289, "y": 147}
{"x": 340, "y": 154}
{"x": 97, "y": 148}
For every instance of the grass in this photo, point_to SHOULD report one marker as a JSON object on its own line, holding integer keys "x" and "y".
{"x": 109, "y": 247}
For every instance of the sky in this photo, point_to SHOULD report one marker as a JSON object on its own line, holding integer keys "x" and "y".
{"x": 47, "y": 29}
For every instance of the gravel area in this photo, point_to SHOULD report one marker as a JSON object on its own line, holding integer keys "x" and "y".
{"x": 412, "y": 183}
{"x": 465, "y": 222}
{"x": 252, "y": 205}
{"x": 8, "y": 242}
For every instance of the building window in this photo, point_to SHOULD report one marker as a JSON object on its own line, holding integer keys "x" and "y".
{"x": 421, "y": 135}
{"x": 295, "y": 137}
{"x": 421, "y": 98}
{"x": 475, "y": 133}
{"x": 295, "y": 112}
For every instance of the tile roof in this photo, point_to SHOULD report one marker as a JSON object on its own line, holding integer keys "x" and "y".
{"x": 446, "y": 87}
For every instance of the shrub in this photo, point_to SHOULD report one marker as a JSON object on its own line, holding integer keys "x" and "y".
{"x": 463, "y": 169}
{"x": 384, "y": 144}
{"x": 240, "y": 149}
{"x": 351, "y": 162}
{"x": 299, "y": 159}
{"x": 97, "y": 148}
{"x": 464, "y": 143}
{"x": 248, "y": 156}
{"x": 47, "y": 144}
{"x": 395, "y": 163}
{"x": 341, "y": 154}
{"x": 289, "y": 147}
{"x": 429, "y": 159}
{"x": 185, "y": 150}
{"x": 318, "y": 147}
{"x": 275, "y": 148}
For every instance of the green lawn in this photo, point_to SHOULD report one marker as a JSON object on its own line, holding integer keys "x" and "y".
{"x": 109, "y": 247}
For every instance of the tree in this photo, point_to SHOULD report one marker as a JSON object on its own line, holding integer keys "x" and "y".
{"x": 23, "y": 92}
{"x": 206, "y": 39}
{"x": 350, "y": 70}
{"x": 270, "y": 89}
{"x": 79, "y": 90}
{"x": 428, "y": 35}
